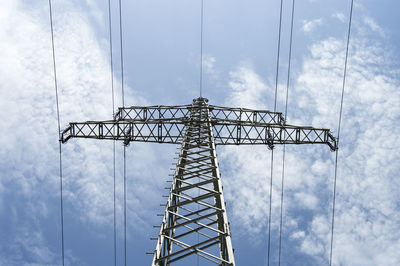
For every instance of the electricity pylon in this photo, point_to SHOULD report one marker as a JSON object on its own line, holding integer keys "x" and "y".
{"x": 195, "y": 220}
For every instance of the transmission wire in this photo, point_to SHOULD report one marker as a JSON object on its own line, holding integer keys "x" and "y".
{"x": 278, "y": 55}
{"x": 270, "y": 205}
{"x": 125, "y": 205}
{"x": 123, "y": 104}
{"x": 121, "y": 53}
{"x": 201, "y": 95}
{"x": 284, "y": 145}
{"x": 59, "y": 133}
{"x": 272, "y": 151}
{"x": 338, "y": 136}
{"x": 113, "y": 112}
{"x": 201, "y": 48}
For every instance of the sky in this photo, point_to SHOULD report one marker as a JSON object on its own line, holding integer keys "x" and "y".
{"x": 161, "y": 48}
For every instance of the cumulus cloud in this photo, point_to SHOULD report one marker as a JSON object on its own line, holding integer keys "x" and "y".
{"x": 310, "y": 25}
{"x": 363, "y": 182}
{"x": 209, "y": 63}
{"x": 340, "y": 16}
{"x": 210, "y": 70}
{"x": 373, "y": 26}
{"x": 28, "y": 157}
{"x": 248, "y": 89}
{"x": 367, "y": 221}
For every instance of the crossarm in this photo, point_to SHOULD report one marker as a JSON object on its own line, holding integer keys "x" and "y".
{"x": 225, "y": 133}
{"x": 182, "y": 112}
{"x": 160, "y": 131}
{"x": 269, "y": 134}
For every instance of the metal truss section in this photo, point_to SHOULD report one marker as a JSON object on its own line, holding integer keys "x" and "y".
{"x": 231, "y": 126}
{"x": 181, "y": 113}
{"x": 195, "y": 220}
{"x": 195, "y": 223}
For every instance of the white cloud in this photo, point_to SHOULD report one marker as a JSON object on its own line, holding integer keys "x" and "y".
{"x": 243, "y": 180}
{"x": 373, "y": 26}
{"x": 32, "y": 245}
{"x": 209, "y": 63}
{"x": 340, "y": 16}
{"x": 367, "y": 217}
{"x": 210, "y": 71}
{"x": 96, "y": 12}
{"x": 29, "y": 164}
{"x": 367, "y": 220}
{"x": 248, "y": 89}
{"x": 310, "y": 25}
{"x": 298, "y": 235}
{"x": 306, "y": 200}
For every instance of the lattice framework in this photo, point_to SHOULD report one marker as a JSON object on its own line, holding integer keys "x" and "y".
{"x": 195, "y": 219}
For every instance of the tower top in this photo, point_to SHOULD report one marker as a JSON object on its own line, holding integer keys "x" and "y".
{"x": 200, "y": 101}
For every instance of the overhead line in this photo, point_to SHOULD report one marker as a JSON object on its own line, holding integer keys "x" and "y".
{"x": 278, "y": 57}
{"x": 201, "y": 48}
{"x": 272, "y": 151}
{"x": 113, "y": 112}
{"x": 201, "y": 89}
{"x": 284, "y": 146}
{"x": 121, "y": 53}
{"x": 339, "y": 127}
{"x": 124, "y": 205}
{"x": 123, "y": 104}
{"x": 59, "y": 133}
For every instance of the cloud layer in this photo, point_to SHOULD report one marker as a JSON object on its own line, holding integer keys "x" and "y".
{"x": 29, "y": 152}
{"x": 367, "y": 220}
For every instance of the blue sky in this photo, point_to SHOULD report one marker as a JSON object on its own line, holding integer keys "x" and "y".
{"x": 161, "y": 55}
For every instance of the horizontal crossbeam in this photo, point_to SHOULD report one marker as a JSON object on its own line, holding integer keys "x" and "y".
{"x": 182, "y": 113}
{"x": 241, "y": 133}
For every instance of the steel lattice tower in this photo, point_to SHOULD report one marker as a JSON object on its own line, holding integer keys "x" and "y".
{"x": 196, "y": 206}
{"x": 195, "y": 220}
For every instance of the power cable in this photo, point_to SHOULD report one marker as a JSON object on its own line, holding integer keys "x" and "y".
{"x": 59, "y": 133}
{"x": 123, "y": 104}
{"x": 270, "y": 205}
{"x": 272, "y": 151}
{"x": 125, "y": 205}
{"x": 201, "y": 48}
{"x": 339, "y": 126}
{"x": 278, "y": 56}
{"x": 121, "y": 53}
{"x": 284, "y": 146}
{"x": 113, "y": 112}
{"x": 201, "y": 92}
